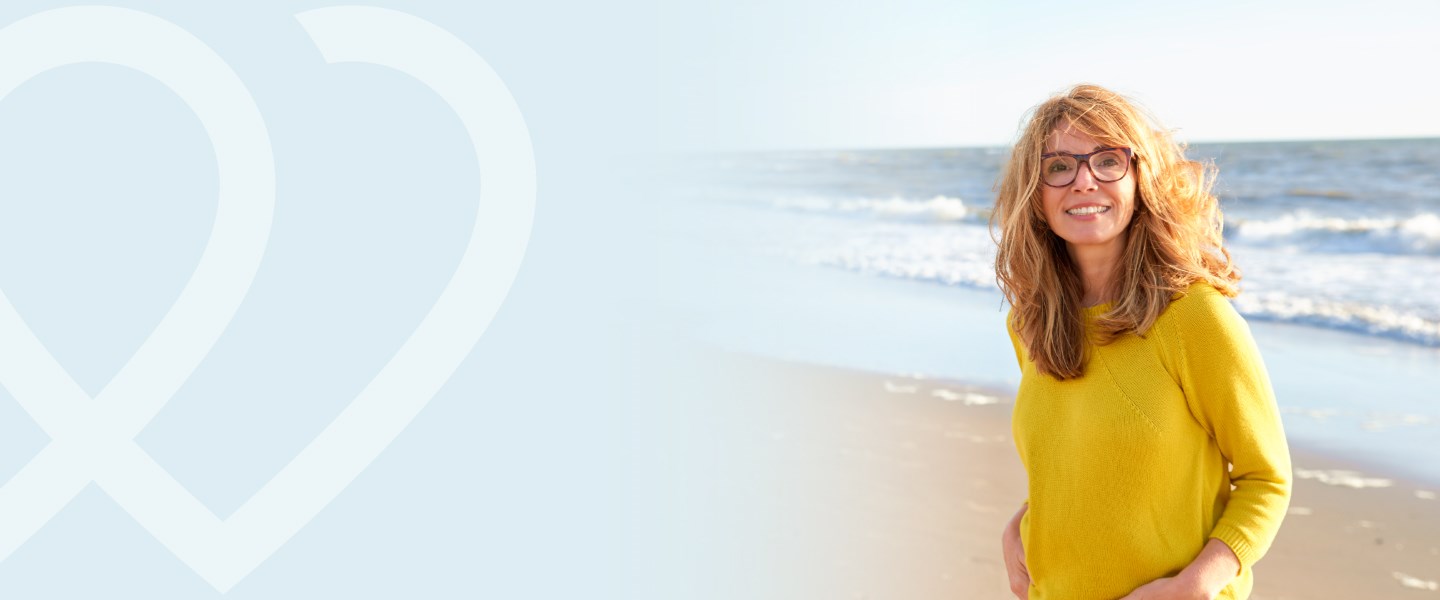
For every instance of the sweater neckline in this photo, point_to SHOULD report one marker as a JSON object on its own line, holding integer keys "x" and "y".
{"x": 1097, "y": 310}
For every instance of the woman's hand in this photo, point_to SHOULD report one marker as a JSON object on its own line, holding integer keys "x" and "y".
{"x": 1014, "y": 554}
{"x": 1168, "y": 588}
{"x": 1203, "y": 579}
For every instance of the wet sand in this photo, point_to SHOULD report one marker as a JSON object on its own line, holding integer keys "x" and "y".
{"x": 820, "y": 482}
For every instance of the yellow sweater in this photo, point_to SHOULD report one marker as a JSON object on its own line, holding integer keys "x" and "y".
{"x": 1127, "y": 464}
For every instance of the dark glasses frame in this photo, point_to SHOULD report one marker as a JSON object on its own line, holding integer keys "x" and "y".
{"x": 1085, "y": 159}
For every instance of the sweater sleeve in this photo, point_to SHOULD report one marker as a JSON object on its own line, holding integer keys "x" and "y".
{"x": 1229, "y": 393}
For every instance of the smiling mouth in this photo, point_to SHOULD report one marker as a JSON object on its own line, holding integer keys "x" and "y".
{"x": 1087, "y": 210}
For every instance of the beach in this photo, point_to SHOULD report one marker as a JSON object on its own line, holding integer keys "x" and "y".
{"x": 842, "y": 397}
{"x": 810, "y": 481}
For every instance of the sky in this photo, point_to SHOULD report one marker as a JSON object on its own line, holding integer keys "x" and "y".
{"x": 852, "y": 74}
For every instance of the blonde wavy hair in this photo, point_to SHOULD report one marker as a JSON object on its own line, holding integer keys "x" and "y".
{"x": 1173, "y": 239}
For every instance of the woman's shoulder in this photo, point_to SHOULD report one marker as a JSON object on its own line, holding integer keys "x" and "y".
{"x": 1200, "y": 306}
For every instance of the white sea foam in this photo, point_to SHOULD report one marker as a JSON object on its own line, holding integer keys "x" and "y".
{"x": 969, "y": 398}
{"x": 1418, "y": 234}
{"x": 1416, "y": 582}
{"x": 961, "y": 255}
{"x": 1319, "y": 414}
{"x": 895, "y": 208}
{"x": 1349, "y": 479}
{"x": 1279, "y": 286}
{"x": 972, "y": 399}
{"x": 1386, "y": 321}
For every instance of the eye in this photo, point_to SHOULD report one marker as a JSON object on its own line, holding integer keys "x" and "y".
{"x": 1057, "y": 166}
{"x": 1109, "y": 160}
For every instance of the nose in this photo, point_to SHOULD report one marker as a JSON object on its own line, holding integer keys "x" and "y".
{"x": 1084, "y": 178}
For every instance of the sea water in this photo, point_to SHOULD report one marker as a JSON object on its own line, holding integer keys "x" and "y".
{"x": 882, "y": 260}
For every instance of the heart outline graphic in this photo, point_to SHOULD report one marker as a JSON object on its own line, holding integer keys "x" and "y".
{"x": 94, "y": 440}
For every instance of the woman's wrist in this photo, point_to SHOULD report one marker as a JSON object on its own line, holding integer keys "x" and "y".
{"x": 1015, "y": 520}
{"x": 1213, "y": 569}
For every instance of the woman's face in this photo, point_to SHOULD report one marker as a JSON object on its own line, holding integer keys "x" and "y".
{"x": 1071, "y": 211}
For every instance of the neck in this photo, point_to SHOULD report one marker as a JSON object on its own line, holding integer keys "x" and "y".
{"x": 1097, "y": 270}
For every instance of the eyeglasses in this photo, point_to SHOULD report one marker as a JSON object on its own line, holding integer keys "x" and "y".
{"x": 1058, "y": 169}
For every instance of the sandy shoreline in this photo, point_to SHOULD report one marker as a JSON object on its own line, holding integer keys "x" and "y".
{"x": 822, "y": 482}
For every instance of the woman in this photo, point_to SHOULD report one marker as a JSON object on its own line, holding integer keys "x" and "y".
{"x": 1156, "y": 462}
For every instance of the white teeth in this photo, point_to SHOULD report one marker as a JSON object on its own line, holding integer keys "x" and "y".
{"x": 1087, "y": 210}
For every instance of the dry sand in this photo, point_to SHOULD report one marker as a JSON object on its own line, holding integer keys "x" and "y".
{"x": 820, "y": 482}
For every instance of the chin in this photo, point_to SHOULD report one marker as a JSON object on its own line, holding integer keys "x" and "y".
{"x": 1084, "y": 238}
{"x": 1089, "y": 239}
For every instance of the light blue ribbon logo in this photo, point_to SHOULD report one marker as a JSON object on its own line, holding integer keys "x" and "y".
{"x": 92, "y": 439}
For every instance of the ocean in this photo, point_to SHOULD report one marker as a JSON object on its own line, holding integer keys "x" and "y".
{"x": 883, "y": 260}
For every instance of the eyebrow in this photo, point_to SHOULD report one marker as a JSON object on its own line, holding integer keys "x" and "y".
{"x": 1097, "y": 147}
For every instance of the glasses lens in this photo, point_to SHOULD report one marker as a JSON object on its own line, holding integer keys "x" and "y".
{"x": 1109, "y": 165}
{"x": 1058, "y": 170}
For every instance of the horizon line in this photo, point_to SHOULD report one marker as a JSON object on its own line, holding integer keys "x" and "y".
{"x": 971, "y": 146}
